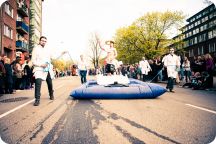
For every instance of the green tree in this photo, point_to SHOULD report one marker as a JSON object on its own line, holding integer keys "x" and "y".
{"x": 62, "y": 64}
{"x": 147, "y": 36}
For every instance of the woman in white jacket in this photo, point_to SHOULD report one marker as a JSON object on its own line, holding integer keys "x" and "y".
{"x": 145, "y": 67}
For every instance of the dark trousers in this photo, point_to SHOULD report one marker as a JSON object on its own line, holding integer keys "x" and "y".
{"x": 170, "y": 83}
{"x": 38, "y": 83}
{"x": 83, "y": 76}
{"x": 1, "y": 85}
{"x": 144, "y": 77}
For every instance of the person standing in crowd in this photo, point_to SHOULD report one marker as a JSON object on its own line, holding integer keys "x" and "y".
{"x": 145, "y": 68}
{"x": 172, "y": 63}
{"x": 8, "y": 77}
{"x": 209, "y": 68}
{"x": 27, "y": 74}
{"x": 41, "y": 60}
{"x": 18, "y": 74}
{"x": 187, "y": 69}
{"x": 110, "y": 62}
{"x": 82, "y": 66}
{"x": 2, "y": 74}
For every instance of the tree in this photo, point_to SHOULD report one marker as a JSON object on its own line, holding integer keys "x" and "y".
{"x": 147, "y": 36}
{"x": 95, "y": 51}
{"x": 62, "y": 64}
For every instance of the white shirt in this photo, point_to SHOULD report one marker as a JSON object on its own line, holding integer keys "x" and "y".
{"x": 82, "y": 65}
{"x": 145, "y": 67}
{"x": 172, "y": 62}
{"x": 41, "y": 56}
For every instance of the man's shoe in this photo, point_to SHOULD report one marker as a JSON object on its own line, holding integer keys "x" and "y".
{"x": 52, "y": 97}
{"x": 172, "y": 91}
{"x": 37, "y": 103}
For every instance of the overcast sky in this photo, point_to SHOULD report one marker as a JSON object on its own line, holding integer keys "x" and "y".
{"x": 68, "y": 23}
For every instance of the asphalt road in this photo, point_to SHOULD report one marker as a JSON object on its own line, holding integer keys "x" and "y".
{"x": 187, "y": 116}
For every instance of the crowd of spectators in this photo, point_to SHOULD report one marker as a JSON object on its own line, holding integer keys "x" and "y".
{"x": 196, "y": 73}
{"x": 18, "y": 75}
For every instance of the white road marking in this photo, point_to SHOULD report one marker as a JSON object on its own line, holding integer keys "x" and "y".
{"x": 201, "y": 108}
{"x": 16, "y": 108}
{"x": 20, "y": 106}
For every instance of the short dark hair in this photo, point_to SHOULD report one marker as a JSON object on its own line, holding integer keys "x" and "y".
{"x": 43, "y": 37}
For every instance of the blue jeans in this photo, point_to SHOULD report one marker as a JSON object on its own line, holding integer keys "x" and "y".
{"x": 83, "y": 75}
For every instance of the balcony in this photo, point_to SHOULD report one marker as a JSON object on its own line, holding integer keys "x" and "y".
{"x": 22, "y": 46}
{"x": 23, "y": 9}
{"x": 22, "y": 27}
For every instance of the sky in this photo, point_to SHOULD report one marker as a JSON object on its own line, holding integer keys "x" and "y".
{"x": 68, "y": 24}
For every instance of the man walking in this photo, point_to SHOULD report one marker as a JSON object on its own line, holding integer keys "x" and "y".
{"x": 82, "y": 66}
{"x": 41, "y": 60}
{"x": 172, "y": 63}
{"x": 145, "y": 68}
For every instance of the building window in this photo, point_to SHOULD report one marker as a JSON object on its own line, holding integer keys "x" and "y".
{"x": 201, "y": 28}
{"x": 194, "y": 32}
{"x": 211, "y": 24}
{"x": 8, "y": 31}
{"x": 202, "y": 51}
{"x": 214, "y": 33}
{"x": 210, "y": 48}
{"x": 9, "y": 10}
{"x": 190, "y": 33}
{"x": 195, "y": 40}
{"x": 210, "y": 35}
{"x": 206, "y": 18}
{"x": 191, "y": 53}
{"x": 197, "y": 30}
{"x": 191, "y": 42}
{"x": 205, "y": 27}
{"x": 198, "y": 22}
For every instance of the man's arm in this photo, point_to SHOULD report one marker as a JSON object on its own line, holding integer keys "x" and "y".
{"x": 100, "y": 45}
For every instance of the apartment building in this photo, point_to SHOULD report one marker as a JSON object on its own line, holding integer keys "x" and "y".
{"x": 14, "y": 22}
{"x": 35, "y": 22}
{"x": 198, "y": 37}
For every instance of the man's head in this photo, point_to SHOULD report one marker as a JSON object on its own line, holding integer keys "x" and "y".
{"x": 81, "y": 56}
{"x": 110, "y": 42}
{"x": 143, "y": 58}
{"x": 171, "y": 50}
{"x": 43, "y": 41}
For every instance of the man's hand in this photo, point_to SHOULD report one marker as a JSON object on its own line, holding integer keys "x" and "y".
{"x": 44, "y": 65}
{"x": 64, "y": 52}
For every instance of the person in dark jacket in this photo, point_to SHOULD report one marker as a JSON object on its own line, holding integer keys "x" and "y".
{"x": 8, "y": 77}
{"x": 2, "y": 74}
